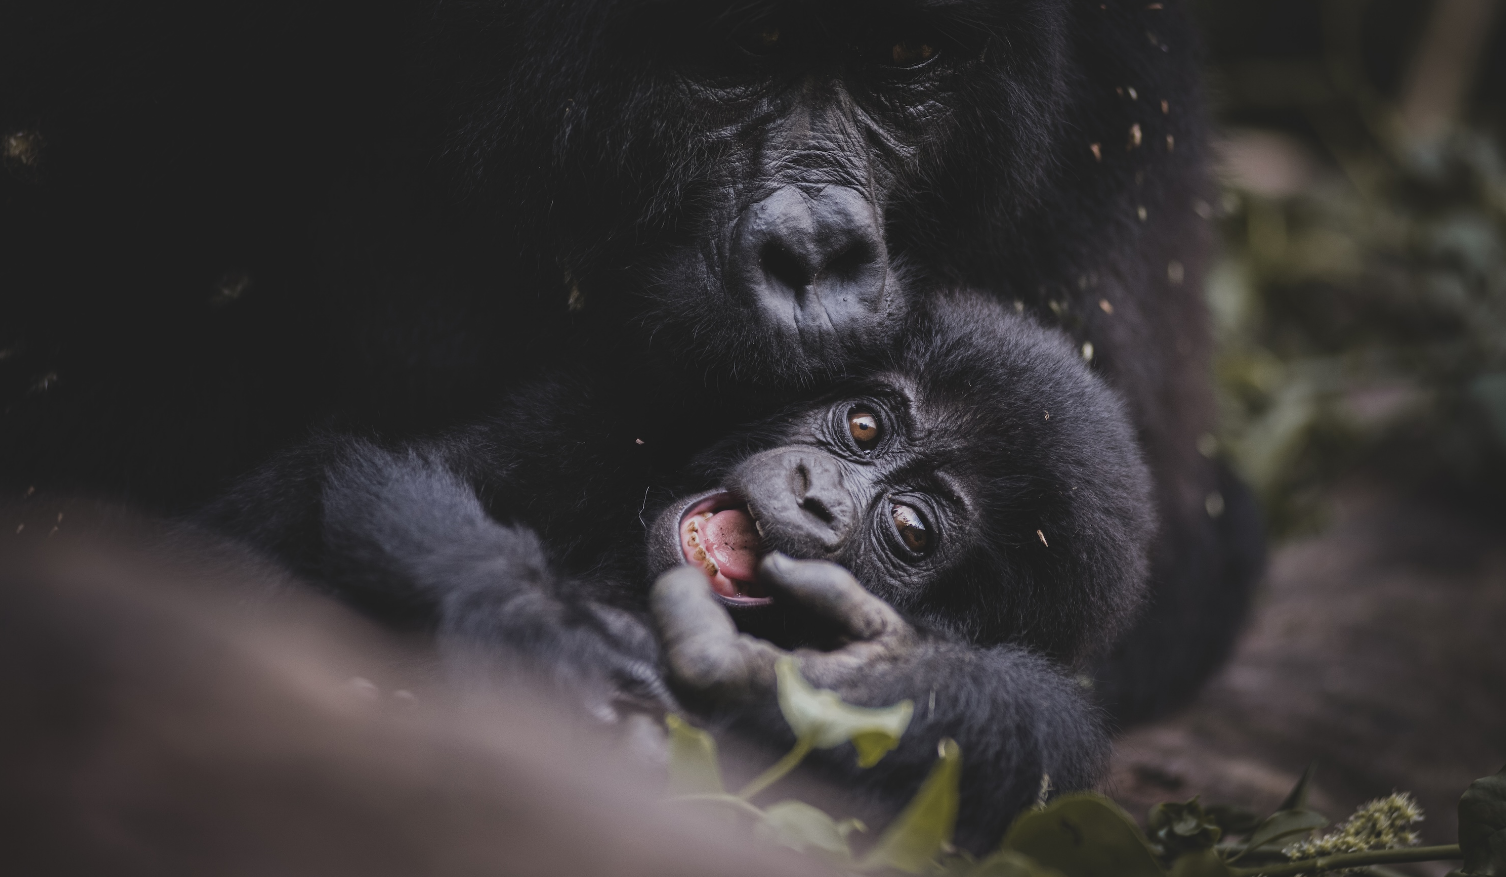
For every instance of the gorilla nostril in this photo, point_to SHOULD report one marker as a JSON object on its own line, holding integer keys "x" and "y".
{"x": 851, "y": 263}
{"x": 819, "y": 509}
{"x": 784, "y": 267}
{"x": 802, "y": 481}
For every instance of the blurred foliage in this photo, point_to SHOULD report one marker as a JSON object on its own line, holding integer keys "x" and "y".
{"x": 1076, "y": 835}
{"x": 1360, "y": 302}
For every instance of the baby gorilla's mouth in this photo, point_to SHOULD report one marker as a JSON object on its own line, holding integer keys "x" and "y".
{"x": 718, "y": 535}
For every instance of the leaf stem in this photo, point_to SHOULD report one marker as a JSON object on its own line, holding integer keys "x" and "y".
{"x": 731, "y": 801}
{"x": 1352, "y": 860}
{"x": 781, "y": 767}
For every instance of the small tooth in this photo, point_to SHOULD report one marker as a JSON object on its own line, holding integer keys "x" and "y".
{"x": 694, "y": 539}
{"x": 700, "y": 555}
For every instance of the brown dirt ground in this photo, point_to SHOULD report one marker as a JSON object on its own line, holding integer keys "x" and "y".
{"x": 1377, "y": 647}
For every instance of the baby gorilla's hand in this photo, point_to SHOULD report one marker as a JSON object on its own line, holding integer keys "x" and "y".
{"x": 709, "y": 660}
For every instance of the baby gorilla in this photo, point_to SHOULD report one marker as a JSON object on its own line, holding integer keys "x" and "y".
{"x": 983, "y": 486}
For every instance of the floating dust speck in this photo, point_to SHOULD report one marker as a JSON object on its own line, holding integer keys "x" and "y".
{"x": 230, "y": 287}
{"x": 1171, "y": 143}
{"x": 19, "y": 528}
{"x": 1105, "y": 306}
{"x": 1019, "y": 306}
{"x": 1207, "y": 445}
{"x": 1087, "y": 351}
{"x": 1135, "y": 136}
{"x": 575, "y": 302}
{"x": 1048, "y": 415}
{"x": 1130, "y": 90}
{"x": 29, "y": 491}
{"x": 1154, "y": 6}
{"x": 1202, "y": 208}
{"x": 637, "y": 441}
{"x": 1043, "y": 538}
{"x": 1097, "y": 151}
{"x": 1165, "y": 108}
{"x": 44, "y": 383}
{"x": 1175, "y": 272}
{"x": 1141, "y": 212}
{"x": 23, "y": 148}
{"x": 1214, "y": 504}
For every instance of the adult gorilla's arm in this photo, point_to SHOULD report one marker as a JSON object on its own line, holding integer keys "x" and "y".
{"x": 403, "y": 535}
{"x": 1016, "y": 718}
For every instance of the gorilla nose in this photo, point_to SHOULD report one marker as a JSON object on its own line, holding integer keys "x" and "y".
{"x": 800, "y": 499}
{"x": 819, "y": 259}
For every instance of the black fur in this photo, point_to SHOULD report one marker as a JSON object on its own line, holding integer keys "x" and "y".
{"x": 415, "y": 231}
{"x": 1003, "y": 413}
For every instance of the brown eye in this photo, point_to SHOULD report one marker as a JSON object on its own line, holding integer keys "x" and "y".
{"x": 911, "y": 53}
{"x": 864, "y": 428}
{"x": 761, "y": 40}
{"x": 912, "y": 528}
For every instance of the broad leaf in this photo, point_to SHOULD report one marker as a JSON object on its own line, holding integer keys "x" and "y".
{"x": 1296, "y": 799}
{"x": 1083, "y": 835}
{"x": 803, "y": 828}
{"x": 919, "y": 833}
{"x": 1233, "y": 820}
{"x": 1008, "y": 863}
{"x": 821, "y": 717}
{"x": 693, "y": 767}
{"x": 1283, "y": 824}
{"x": 1482, "y": 826}
{"x": 1174, "y": 829}
{"x": 1203, "y": 863}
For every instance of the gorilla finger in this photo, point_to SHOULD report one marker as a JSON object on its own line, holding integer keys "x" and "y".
{"x": 701, "y": 644}
{"x": 833, "y": 593}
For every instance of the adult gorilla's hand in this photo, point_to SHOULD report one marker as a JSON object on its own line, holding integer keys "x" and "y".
{"x": 710, "y": 660}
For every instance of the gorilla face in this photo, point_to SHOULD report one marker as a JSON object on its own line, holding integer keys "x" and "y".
{"x": 986, "y": 483}
{"x": 780, "y": 169}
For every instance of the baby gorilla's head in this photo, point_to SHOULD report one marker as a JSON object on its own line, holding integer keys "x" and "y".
{"x": 982, "y": 481}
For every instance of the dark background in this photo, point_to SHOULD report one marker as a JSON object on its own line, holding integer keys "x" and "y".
{"x": 1360, "y": 308}
{"x": 1359, "y": 304}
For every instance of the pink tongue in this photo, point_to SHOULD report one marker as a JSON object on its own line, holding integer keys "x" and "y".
{"x": 732, "y": 541}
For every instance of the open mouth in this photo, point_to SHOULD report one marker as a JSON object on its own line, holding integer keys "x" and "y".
{"x": 718, "y": 535}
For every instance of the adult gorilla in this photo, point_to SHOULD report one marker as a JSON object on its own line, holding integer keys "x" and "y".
{"x": 729, "y": 199}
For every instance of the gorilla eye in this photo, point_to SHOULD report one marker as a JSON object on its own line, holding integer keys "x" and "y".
{"x": 864, "y": 427}
{"x": 912, "y": 528}
{"x": 763, "y": 39}
{"x": 910, "y": 53}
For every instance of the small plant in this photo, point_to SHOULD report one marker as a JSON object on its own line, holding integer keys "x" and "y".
{"x": 1076, "y": 835}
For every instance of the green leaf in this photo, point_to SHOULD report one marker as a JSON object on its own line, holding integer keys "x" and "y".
{"x": 1203, "y": 863}
{"x": 1008, "y": 863}
{"x": 821, "y": 717}
{"x": 803, "y": 828}
{"x": 693, "y": 767}
{"x": 1174, "y": 829}
{"x": 1083, "y": 835}
{"x": 1296, "y": 799}
{"x": 1482, "y": 826}
{"x": 1283, "y": 824}
{"x": 923, "y": 829}
{"x": 1231, "y": 819}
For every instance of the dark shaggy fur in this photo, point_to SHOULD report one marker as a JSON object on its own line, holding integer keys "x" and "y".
{"x": 1027, "y": 441}
{"x": 241, "y": 220}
